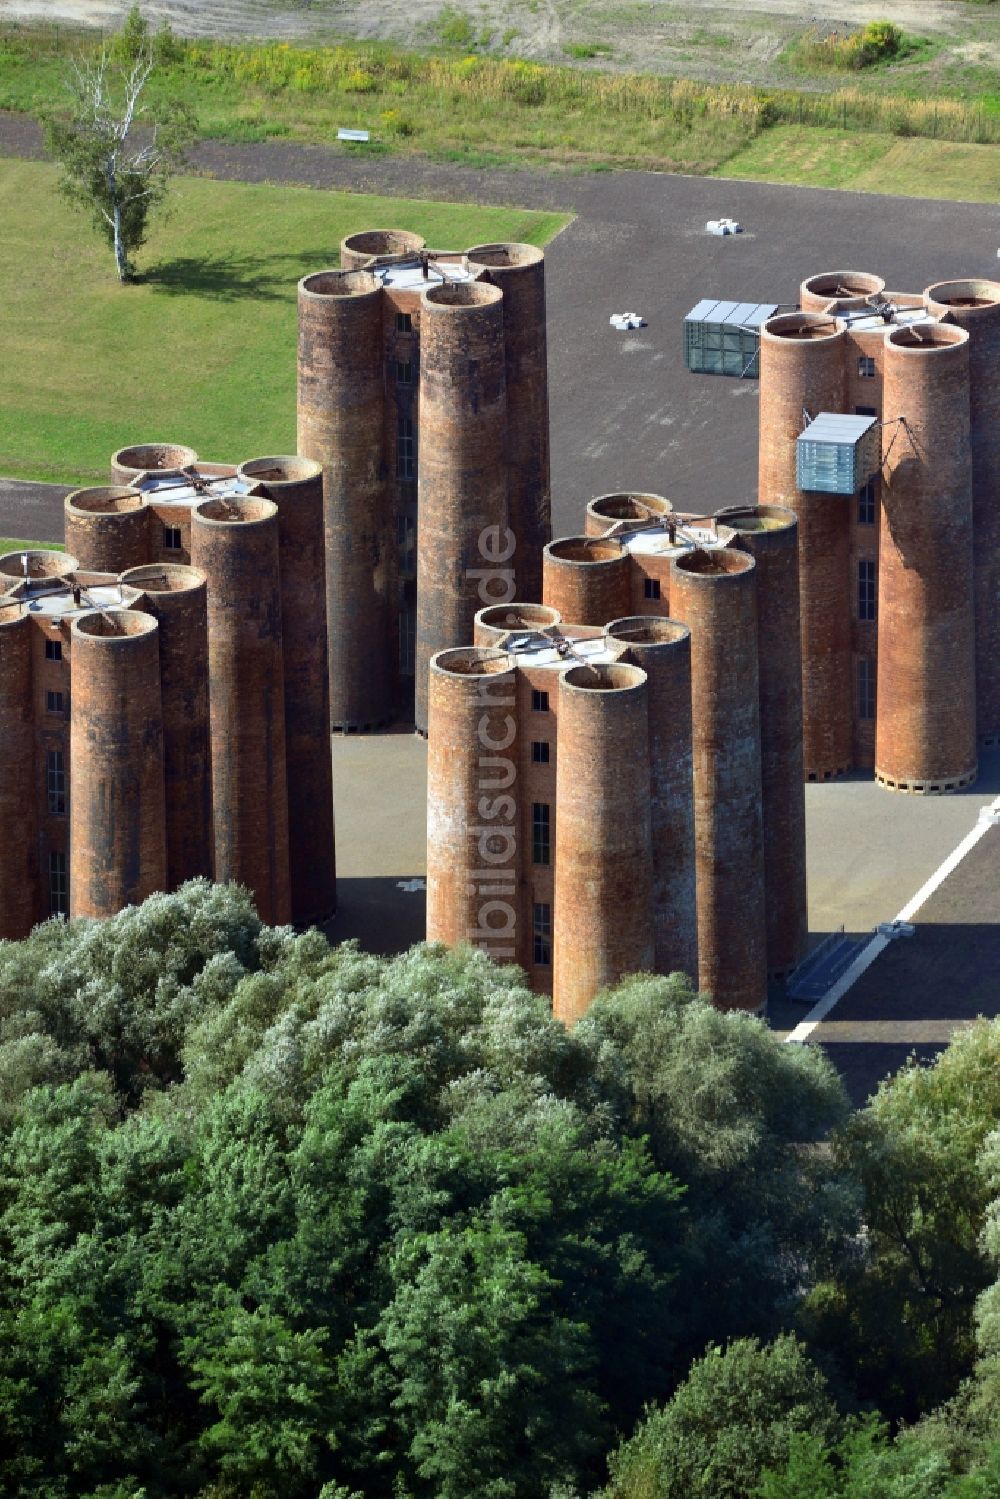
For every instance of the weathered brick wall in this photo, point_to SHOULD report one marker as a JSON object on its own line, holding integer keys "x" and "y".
{"x": 462, "y": 482}
{"x": 662, "y": 648}
{"x": 770, "y": 536}
{"x": 19, "y": 884}
{"x": 118, "y": 847}
{"x": 128, "y": 463}
{"x": 340, "y": 425}
{"x": 295, "y": 485}
{"x": 603, "y": 916}
{"x": 975, "y": 306}
{"x": 108, "y": 528}
{"x": 589, "y": 581}
{"x": 357, "y": 249}
{"x": 802, "y": 369}
{"x": 474, "y": 853}
{"x": 606, "y": 509}
{"x": 714, "y": 594}
{"x": 496, "y": 620}
{"x": 926, "y": 730}
{"x": 519, "y": 272}
{"x": 235, "y": 544}
{"x": 176, "y": 598}
{"x": 830, "y": 290}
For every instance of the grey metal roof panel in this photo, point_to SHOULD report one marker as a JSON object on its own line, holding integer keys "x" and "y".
{"x": 700, "y": 312}
{"x": 740, "y": 313}
{"x": 761, "y": 313}
{"x": 835, "y": 426}
{"x": 737, "y": 314}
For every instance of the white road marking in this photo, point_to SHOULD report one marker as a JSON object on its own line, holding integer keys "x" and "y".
{"x": 987, "y": 818}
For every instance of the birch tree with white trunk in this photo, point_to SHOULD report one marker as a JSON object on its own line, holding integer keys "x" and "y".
{"x": 117, "y": 149}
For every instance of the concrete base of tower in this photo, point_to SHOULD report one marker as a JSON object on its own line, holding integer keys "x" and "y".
{"x": 374, "y": 727}
{"x": 827, "y": 773}
{"x": 925, "y": 786}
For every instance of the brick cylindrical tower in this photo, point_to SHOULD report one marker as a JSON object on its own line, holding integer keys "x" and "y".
{"x": 117, "y": 826}
{"x": 497, "y": 620}
{"x": 770, "y": 536}
{"x": 358, "y": 249}
{"x": 176, "y": 599}
{"x": 802, "y": 371}
{"x": 662, "y": 648}
{"x": 608, "y": 509}
{"x": 340, "y": 425}
{"x": 975, "y": 306}
{"x": 588, "y": 579}
{"x": 107, "y": 528}
{"x": 602, "y": 925}
{"x": 714, "y": 594}
{"x": 519, "y": 271}
{"x": 463, "y": 559}
{"x": 143, "y": 457}
{"x": 235, "y": 544}
{"x": 18, "y": 805}
{"x": 296, "y": 487}
{"x": 473, "y": 857}
{"x": 925, "y": 732}
{"x": 831, "y": 290}
{"x": 40, "y": 564}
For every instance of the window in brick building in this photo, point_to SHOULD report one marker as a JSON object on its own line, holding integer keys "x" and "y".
{"x": 58, "y": 884}
{"x": 541, "y": 845}
{"x": 55, "y": 783}
{"x": 407, "y": 640}
{"x": 866, "y": 589}
{"x": 404, "y": 322}
{"x": 404, "y": 372}
{"x": 866, "y": 687}
{"x": 172, "y": 538}
{"x": 651, "y": 588}
{"x": 866, "y": 367}
{"x": 541, "y": 931}
{"x": 406, "y": 536}
{"x": 539, "y": 701}
{"x": 55, "y": 702}
{"x": 539, "y": 752}
{"x": 865, "y": 411}
{"x": 866, "y": 504}
{"x": 406, "y": 449}
{"x": 53, "y": 650}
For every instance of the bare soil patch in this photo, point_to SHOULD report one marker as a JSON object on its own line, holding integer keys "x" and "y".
{"x": 714, "y": 40}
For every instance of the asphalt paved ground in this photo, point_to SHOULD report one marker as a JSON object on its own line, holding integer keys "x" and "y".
{"x": 31, "y": 512}
{"x": 924, "y": 987}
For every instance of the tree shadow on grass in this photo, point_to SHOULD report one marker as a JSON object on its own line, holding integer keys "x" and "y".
{"x": 237, "y": 278}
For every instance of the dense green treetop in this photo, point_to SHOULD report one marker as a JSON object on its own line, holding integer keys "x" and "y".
{"x": 275, "y": 1216}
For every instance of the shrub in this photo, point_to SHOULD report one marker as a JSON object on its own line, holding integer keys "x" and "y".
{"x": 455, "y": 29}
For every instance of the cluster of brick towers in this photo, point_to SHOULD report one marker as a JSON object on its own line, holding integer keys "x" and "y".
{"x": 164, "y": 693}
{"x": 431, "y": 362}
{"x": 620, "y": 723}
{"x": 615, "y": 776}
{"x": 900, "y": 581}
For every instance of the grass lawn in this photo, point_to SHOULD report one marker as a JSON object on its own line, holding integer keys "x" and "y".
{"x": 909, "y": 166}
{"x": 17, "y": 544}
{"x": 202, "y": 351}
